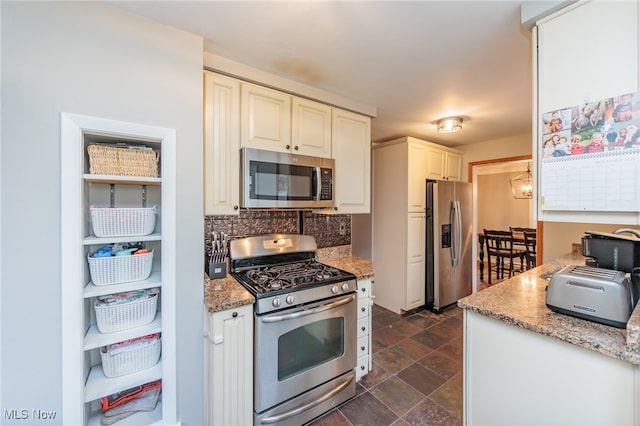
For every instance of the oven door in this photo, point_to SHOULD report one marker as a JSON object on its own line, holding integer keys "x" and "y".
{"x": 301, "y": 348}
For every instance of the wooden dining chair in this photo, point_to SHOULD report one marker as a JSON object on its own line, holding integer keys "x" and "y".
{"x": 500, "y": 247}
{"x": 530, "y": 240}
{"x": 519, "y": 243}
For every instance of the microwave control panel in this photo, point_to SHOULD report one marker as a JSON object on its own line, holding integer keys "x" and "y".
{"x": 326, "y": 184}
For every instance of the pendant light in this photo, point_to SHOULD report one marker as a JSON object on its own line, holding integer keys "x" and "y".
{"x": 522, "y": 185}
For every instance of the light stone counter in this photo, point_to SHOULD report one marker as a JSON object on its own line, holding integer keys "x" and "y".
{"x": 225, "y": 293}
{"x": 358, "y": 266}
{"x": 520, "y": 301}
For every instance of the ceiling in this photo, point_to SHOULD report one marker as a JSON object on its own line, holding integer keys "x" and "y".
{"x": 415, "y": 61}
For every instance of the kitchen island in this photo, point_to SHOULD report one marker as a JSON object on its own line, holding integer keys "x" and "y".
{"x": 524, "y": 364}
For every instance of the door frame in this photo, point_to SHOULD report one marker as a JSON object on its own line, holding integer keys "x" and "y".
{"x": 471, "y": 172}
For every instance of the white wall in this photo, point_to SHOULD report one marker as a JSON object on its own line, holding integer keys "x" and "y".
{"x": 514, "y": 146}
{"x": 90, "y": 59}
{"x": 497, "y": 209}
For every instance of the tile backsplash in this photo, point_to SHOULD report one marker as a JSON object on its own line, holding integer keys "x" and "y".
{"x": 325, "y": 228}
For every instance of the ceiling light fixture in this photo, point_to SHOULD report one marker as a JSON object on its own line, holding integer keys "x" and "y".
{"x": 522, "y": 185}
{"x": 450, "y": 124}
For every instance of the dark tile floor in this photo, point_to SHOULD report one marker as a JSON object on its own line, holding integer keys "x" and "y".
{"x": 416, "y": 377}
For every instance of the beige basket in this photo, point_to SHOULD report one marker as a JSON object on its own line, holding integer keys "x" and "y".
{"x": 120, "y": 269}
{"x": 122, "y": 222}
{"x": 136, "y": 313}
{"x": 130, "y": 361}
{"x": 111, "y": 160}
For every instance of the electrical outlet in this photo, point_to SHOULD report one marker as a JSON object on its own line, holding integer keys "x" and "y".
{"x": 343, "y": 228}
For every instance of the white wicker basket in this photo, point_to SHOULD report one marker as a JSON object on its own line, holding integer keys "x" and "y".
{"x": 120, "y": 269}
{"x": 130, "y": 361}
{"x": 126, "y": 315}
{"x": 122, "y": 221}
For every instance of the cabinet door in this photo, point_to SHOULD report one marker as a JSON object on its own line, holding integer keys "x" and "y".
{"x": 435, "y": 163}
{"x": 453, "y": 166}
{"x": 416, "y": 174}
{"x": 415, "y": 260}
{"x": 221, "y": 146}
{"x": 230, "y": 366}
{"x": 311, "y": 128}
{"x": 266, "y": 118}
{"x": 351, "y": 148}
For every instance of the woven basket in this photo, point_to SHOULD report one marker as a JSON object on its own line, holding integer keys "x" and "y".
{"x": 122, "y": 222}
{"x": 111, "y": 160}
{"x": 136, "y": 313}
{"x": 130, "y": 361}
{"x": 120, "y": 269}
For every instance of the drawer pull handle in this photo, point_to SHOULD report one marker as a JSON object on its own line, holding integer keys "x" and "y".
{"x": 362, "y": 348}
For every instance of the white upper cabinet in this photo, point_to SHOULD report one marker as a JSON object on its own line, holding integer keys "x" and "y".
{"x": 221, "y": 144}
{"x": 351, "y": 148}
{"x": 416, "y": 177}
{"x": 443, "y": 164}
{"x": 310, "y": 128}
{"x": 266, "y": 118}
{"x": 592, "y": 188}
{"x": 453, "y": 166}
{"x": 239, "y": 114}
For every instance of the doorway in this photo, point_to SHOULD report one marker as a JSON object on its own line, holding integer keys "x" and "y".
{"x": 493, "y": 203}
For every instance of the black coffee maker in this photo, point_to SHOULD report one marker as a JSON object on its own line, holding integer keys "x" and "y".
{"x": 619, "y": 251}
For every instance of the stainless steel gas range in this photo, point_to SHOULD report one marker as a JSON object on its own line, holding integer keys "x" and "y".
{"x": 305, "y": 322}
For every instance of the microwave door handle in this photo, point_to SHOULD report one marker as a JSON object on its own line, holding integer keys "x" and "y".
{"x": 318, "y": 184}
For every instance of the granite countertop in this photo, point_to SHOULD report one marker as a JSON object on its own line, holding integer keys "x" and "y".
{"x": 358, "y": 266}
{"x": 520, "y": 301}
{"x": 225, "y": 293}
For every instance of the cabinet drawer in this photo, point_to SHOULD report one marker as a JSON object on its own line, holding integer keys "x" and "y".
{"x": 364, "y": 288}
{"x": 363, "y": 345}
{"x": 362, "y": 367}
{"x": 363, "y": 308}
{"x": 363, "y": 327}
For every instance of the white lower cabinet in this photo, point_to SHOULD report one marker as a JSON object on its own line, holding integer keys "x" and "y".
{"x": 364, "y": 327}
{"x": 539, "y": 380}
{"x": 229, "y": 366}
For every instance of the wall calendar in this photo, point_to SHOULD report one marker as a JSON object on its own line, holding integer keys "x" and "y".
{"x": 590, "y": 156}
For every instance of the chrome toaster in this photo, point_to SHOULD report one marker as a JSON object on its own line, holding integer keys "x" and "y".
{"x": 602, "y": 295}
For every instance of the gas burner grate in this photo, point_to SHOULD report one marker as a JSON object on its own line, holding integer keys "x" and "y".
{"x": 278, "y": 277}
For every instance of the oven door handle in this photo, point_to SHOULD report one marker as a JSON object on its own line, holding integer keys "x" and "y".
{"x": 296, "y": 411}
{"x": 279, "y": 318}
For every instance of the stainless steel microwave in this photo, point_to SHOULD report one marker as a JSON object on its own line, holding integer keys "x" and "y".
{"x": 272, "y": 179}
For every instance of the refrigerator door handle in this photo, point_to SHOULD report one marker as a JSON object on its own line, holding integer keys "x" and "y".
{"x": 456, "y": 231}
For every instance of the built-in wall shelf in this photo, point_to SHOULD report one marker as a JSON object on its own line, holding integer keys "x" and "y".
{"x": 94, "y": 339}
{"x": 99, "y": 385}
{"x": 124, "y": 180}
{"x": 83, "y": 381}
{"x": 92, "y": 290}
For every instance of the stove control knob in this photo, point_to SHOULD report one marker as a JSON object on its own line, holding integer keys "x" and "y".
{"x": 334, "y": 289}
{"x": 290, "y": 299}
{"x": 276, "y": 302}
{"x": 345, "y": 287}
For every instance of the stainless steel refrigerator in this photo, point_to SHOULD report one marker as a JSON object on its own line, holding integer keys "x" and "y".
{"x": 448, "y": 243}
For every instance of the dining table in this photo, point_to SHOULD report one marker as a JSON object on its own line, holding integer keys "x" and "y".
{"x": 518, "y": 241}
